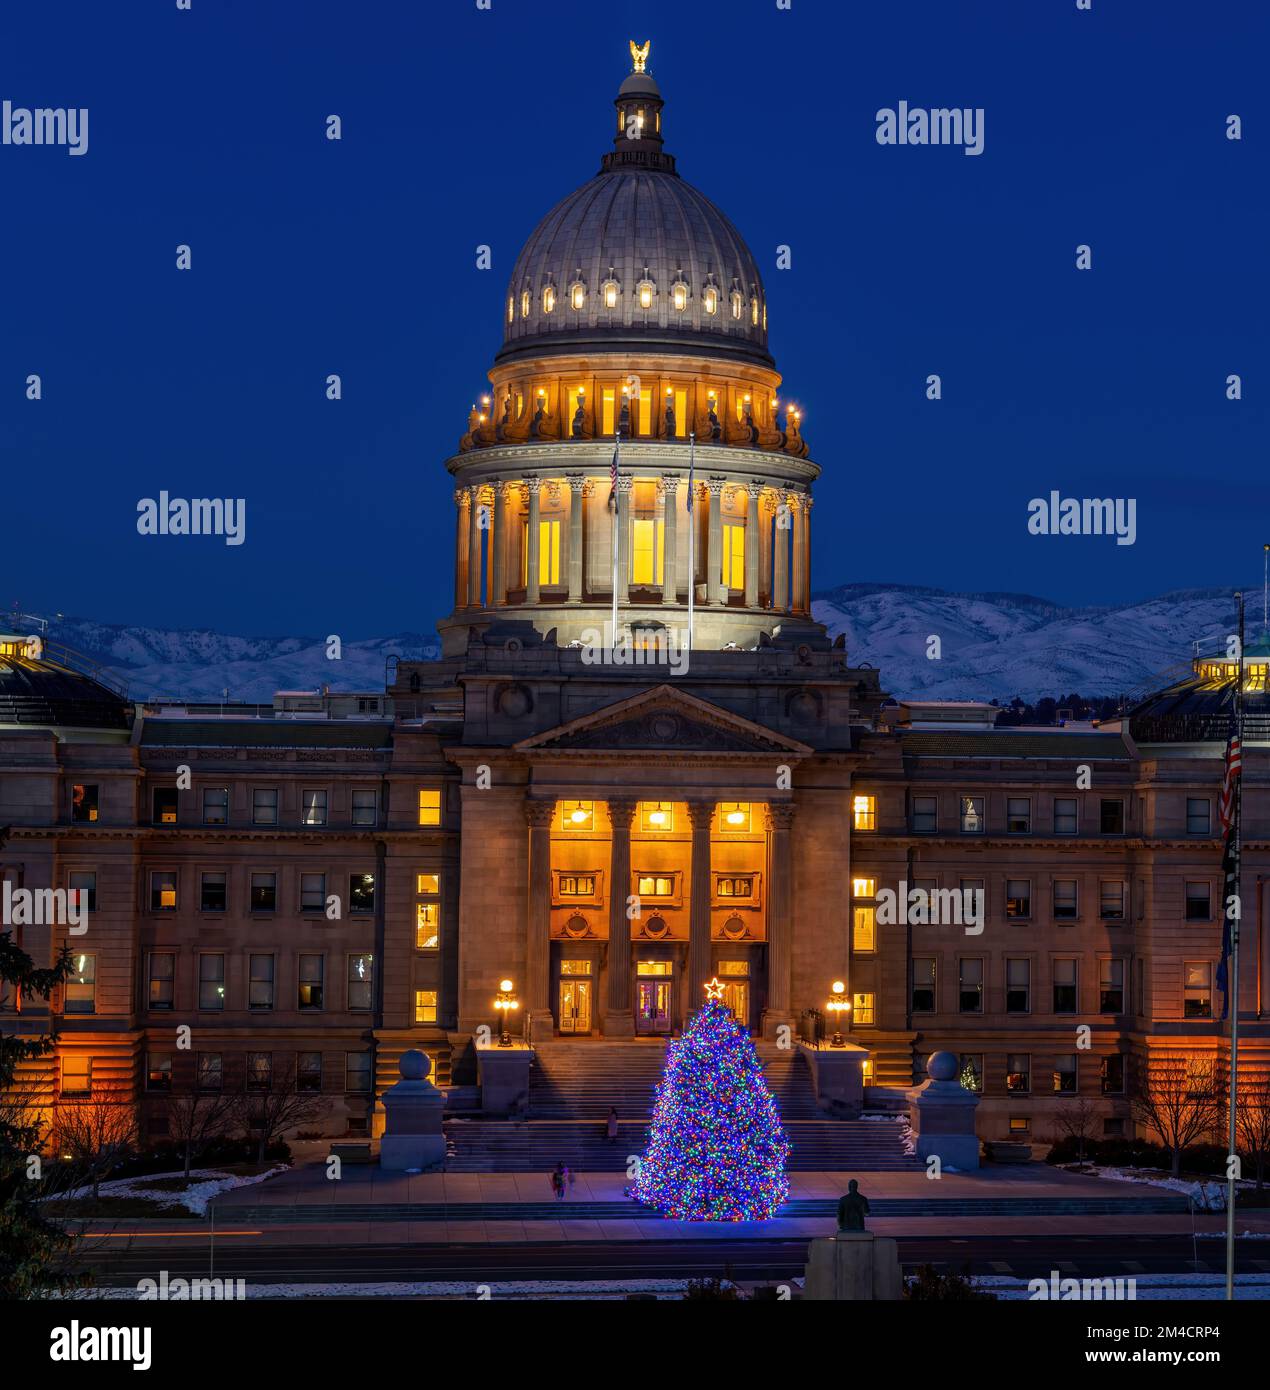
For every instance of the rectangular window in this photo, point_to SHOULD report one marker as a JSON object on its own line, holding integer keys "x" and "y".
{"x": 427, "y": 926}
{"x": 161, "y": 977}
{"x": 972, "y": 815}
{"x": 357, "y": 1071}
{"x": 608, "y": 403}
{"x": 644, "y": 417}
{"x": 681, "y": 402}
{"x": 653, "y": 886}
{"x": 84, "y": 885}
{"x": 260, "y": 984}
{"x": 163, "y": 890}
{"x": 1111, "y": 896}
{"x": 1065, "y": 975}
{"x": 212, "y": 895}
{"x": 308, "y": 1072}
{"x": 925, "y": 815}
{"x": 312, "y": 969}
{"x": 264, "y": 806}
{"x": 429, "y": 805}
{"x": 864, "y": 928}
{"x": 736, "y": 887}
{"x": 1111, "y": 987}
{"x": 164, "y": 806}
{"x": 1198, "y": 815}
{"x": 84, "y": 802}
{"x": 425, "y": 1006}
{"x": 1018, "y": 897}
{"x": 1018, "y": 986}
{"x": 1198, "y": 902}
{"x": 1112, "y": 1069}
{"x": 1018, "y": 815}
{"x": 970, "y": 1073}
{"x": 81, "y": 987}
{"x": 259, "y": 1071}
{"x": 361, "y": 983}
{"x": 215, "y": 805}
{"x": 1065, "y": 1074}
{"x": 923, "y": 984}
{"x": 365, "y": 807}
{"x": 656, "y": 815}
{"x": 647, "y": 546}
{"x": 577, "y": 815}
{"x": 211, "y": 1071}
{"x": 1197, "y": 996}
{"x": 863, "y": 1008}
{"x": 1018, "y": 1073}
{"x": 211, "y": 981}
{"x": 361, "y": 892}
{"x": 864, "y": 812}
{"x": 970, "y": 985}
{"x": 1020, "y": 1128}
{"x": 312, "y": 892}
{"x": 158, "y": 1071}
{"x": 77, "y": 1075}
{"x": 1111, "y": 816}
{"x": 312, "y": 808}
{"x": 733, "y": 557}
{"x": 549, "y": 553}
{"x": 1066, "y": 907}
{"x": 1066, "y": 815}
{"x": 264, "y": 892}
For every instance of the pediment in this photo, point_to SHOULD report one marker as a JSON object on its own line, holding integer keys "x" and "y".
{"x": 665, "y": 720}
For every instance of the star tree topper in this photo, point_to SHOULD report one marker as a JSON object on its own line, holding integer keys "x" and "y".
{"x": 714, "y": 990}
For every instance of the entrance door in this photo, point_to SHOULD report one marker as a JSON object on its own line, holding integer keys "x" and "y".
{"x": 736, "y": 995}
{"x": 653, "y": 1012}
{"x": 575, "y": 1006}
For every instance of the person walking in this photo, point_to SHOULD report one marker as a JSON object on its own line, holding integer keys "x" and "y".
{"x": 557, "y": 1180}
{"x": 611, "y": 1125}
{"x": 566, "y": 1180}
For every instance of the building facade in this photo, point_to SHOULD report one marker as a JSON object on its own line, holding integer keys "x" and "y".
{"x": 609, "y": 816}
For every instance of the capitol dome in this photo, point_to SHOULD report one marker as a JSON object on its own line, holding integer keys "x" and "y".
{"x": 636, "y": 257}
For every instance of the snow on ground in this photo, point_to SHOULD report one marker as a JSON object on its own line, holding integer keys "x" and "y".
{"x": 205, "y": 1183}
{"x": 1206, "y": 1196}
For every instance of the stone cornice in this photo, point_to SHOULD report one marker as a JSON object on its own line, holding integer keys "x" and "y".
{"x": 642, "y": 456}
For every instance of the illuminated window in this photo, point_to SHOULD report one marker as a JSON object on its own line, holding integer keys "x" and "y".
{"x": 681, "y": 414}
{"x": 511, "y": 309}
{"x": 163, "y": 891}
{"x": 577, "y": 967}
{"x": 972, "y": 815}
{"x": 679, "y": 295}
{"x": 735, "y": 887}
{"x": 735, "y": 815}
{"x": 864, "y": 928}
{"x": 548, "y": 552}
{"x": 429, "y": 806}
{"x": 863, "y": 1009}
{"x": 610, "y": 290}
{"x": 1018, "y": 1074}
{"x": 361, "y": 892}
{"x": 646, "y": 290}
{"x": 754, "y": 310}
{"x": 644, "y": 413}
{"x": 81, "y": 987}
{"x": 864, "y": 812}
{"x": 577, "y": 815}
{"x": 866, "y": 1071}
{"x": 1018, "y": 897}
{"x": 83, "y": 802}
{"x": 646, "y": 551}
{"x": 427, "y": 926}
{"x": 608, "y": 411}
{"x": 313, "y": 808}
{"x": 734, "y": 557}
{"x": 577, "y": 885}
{"x": 577, "y": 295}
{"x": 656, "y": 815}
{"x": 425, "y": 1006}
{"x": 311, "y": 979}
{"x": 654, "y": 886}
{"x": 361, "y": 982}
{"x": 548, "y": 298}
{"x": 710, "y": 299}
{"x": 524, "y": 305}
{"x": 165, "y": 805}
{"x": 738, "y": 303}
{"x": 1197, "y": 996}
{"x": 863, "y": 887}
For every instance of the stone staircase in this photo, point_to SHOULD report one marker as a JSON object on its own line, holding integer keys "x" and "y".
{"x": 581, "y": 1080}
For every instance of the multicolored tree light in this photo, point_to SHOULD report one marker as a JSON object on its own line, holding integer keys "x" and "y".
{"x": 716, "y": 1149}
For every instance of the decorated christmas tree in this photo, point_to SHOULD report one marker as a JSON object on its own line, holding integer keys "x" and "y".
{"x": 716, "y": 1149}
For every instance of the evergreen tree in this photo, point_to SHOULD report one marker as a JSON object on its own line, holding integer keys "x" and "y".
{"x": 716, "y": 1149}
{"x": 32, "y": 1248}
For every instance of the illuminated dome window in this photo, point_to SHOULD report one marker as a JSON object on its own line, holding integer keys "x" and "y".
{"x": 611, "y": 291}
{"x": 738, "y": 303}
{"x": 679, "y": 294}
{"x": 548, "y": 298}
{"x": 577, "y": 295}
{"x": 511, "y": 309}
{"x": 754, "y": 309}
{"x": 710, "y": 299}
{"x": 524, "y": 304}
{"x": 646, "y": 291}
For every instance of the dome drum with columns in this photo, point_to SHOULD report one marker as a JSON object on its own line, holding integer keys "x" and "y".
{"x": 636, "y": 310}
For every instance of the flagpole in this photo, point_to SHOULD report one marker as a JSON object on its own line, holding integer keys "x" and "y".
{"x": 617, "y": 513}
{"x": 692, "y": 532}
{"x": 1233, "y": 995}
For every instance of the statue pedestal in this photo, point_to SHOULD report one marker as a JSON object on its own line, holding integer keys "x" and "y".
{"x": 941, "y": 1114}
{"x": 838, "y": 1076}
{"x": 853, "y": 1266}
{"x": 503, "y": 1076}
{"x": 413, "y": 1137}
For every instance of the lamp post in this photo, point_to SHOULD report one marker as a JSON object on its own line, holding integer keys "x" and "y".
{"x": 839, "y": 1004}
{"x": 505, "y": 1001}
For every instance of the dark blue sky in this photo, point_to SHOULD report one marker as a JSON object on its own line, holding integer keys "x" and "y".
{"x": 463, "y": 127}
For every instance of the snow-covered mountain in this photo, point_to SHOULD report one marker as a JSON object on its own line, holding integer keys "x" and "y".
{"x": 992, "y": 645}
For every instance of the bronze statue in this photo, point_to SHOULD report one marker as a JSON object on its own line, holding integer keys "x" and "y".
{"x": 853, "y": 1208}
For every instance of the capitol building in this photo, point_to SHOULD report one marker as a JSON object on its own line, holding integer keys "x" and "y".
{"x": 545, "y": 818}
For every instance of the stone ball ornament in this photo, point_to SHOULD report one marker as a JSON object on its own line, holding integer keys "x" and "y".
{"x": 942, "y": 1066}
{"x": 415, "y": 1065}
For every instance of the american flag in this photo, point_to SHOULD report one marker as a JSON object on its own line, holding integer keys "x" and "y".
{"x": 1234, "y": 767}
{"x": 613, "y": 479}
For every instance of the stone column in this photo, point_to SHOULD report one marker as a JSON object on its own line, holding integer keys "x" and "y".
{"x": 576, "y": 483}
{"x": 619, "y": 1022}
{"x": 460, "y": 547}
{"x": 807, "y": 506}
{"x": 780, "y": 565}
{"x": 533, "y": 591}
{"x": 474, "y": 547}
{"x": 498, "y": 594}
{"x": 714, "y": 552}
{"x": 668, "y": 490}
{"x": 751, "y": 547}
{"x": 780, "y": 912}
{"x": 623, "y": 523}
{"x": 800, "y": 553}
{"x": 701, "y": 814}
{"x": 537, "y": 990}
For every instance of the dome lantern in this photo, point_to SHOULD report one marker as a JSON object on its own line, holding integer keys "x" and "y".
{"x": 638, "y": 140}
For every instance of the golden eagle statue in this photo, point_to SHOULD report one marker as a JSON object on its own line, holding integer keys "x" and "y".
{"x": 639, "y": 56}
